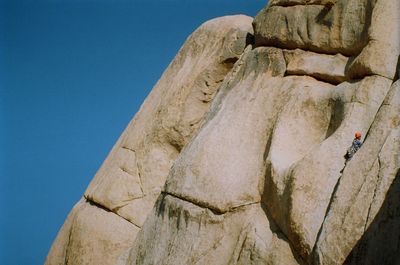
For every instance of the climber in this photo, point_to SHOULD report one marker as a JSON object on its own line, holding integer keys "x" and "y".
{"x": 354, "y": 146}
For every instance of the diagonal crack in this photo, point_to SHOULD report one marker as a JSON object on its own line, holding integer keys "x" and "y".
{"x": 128, "y": 148}
{"x": 137, "y": 166}
{"x": 75, "y": 213}
{"x": 328, "y": 209}
{"x": 341, "y": 173}
{"x": 66, "y": 258}
{"x": 93, "y": 203}
{"x": 373, "y": 198}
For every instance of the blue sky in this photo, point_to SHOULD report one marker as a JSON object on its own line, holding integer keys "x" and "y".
{"x": 72, "y": 75}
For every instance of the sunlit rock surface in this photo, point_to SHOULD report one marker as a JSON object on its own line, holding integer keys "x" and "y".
{"x": 237, "y": 155}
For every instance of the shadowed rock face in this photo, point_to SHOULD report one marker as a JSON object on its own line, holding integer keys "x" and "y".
{"x": 236, "y": 156}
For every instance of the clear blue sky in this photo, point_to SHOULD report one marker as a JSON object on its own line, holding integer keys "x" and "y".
{"x": 72, "y": 75}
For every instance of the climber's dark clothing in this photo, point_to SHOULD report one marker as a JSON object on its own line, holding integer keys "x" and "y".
{"x": 353, "y": 149}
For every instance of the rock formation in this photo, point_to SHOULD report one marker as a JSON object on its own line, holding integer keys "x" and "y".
{"x": 237, "y": 154}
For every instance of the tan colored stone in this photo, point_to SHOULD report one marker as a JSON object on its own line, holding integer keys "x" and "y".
{"x": 363, "y": 185}
{"x": 58, "y": 252}
{"x": 310, "y": 190}
{"x": 262, "y": 242}
{"x": 241, "y": 148}
{"x": 222, "y": 189}
{"x": 329, "y": 68}
{"x": 320, "y": 27}
{"x": 380, "y": 242}
{"x": 139, "y": 163}
{"x": 381, "y": 54}
{"x": 131, "y": 177}
{"x": 189, "y": 234}
{"x": 93, "y": 236}
{"x": 302, "y": 125}
{"x": 142, "y": 205}
{"x": 299, "y": 191}
{"x": 221, "y": 167}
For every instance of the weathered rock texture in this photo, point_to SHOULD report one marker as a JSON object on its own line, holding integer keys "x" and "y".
{"x": 237, "y": 155}
{"x": 130, "y": 180}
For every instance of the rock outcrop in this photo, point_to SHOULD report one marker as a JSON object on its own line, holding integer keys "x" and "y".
{"x": 131, "y": 178}
{"x": 237, "y": 155}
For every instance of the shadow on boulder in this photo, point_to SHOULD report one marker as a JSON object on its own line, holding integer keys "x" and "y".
{"x": 380, "y": 243}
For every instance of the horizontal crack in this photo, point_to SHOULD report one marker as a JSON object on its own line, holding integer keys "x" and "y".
{"x": 317, "y": 77}
{"x": 205, "y": 205}
{"x": 291, "y": 4}
{"x": 243, "y": 205}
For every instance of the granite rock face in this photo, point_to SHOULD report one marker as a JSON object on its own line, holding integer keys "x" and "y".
{"x": 237, "y": 155}
{"x": 131, "y": 178}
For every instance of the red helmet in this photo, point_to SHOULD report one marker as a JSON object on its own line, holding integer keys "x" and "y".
{"x": 357, "y": 135}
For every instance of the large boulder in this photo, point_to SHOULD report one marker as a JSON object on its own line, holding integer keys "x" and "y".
{"x": 380, "y": 55}
{"x": 334, "y": 26}
{"x": 191, "y": 234}
{"x": 237, "y": 155}
{"x": 130, "y": 179}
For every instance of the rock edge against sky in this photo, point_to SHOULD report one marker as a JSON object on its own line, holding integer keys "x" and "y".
{"x": 236, "y": 156}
